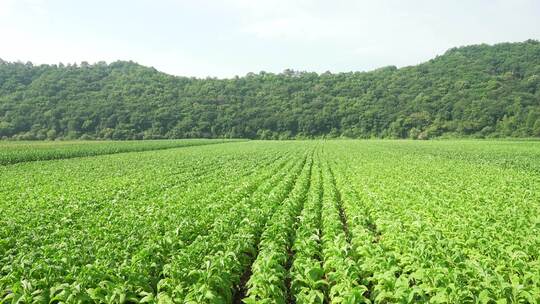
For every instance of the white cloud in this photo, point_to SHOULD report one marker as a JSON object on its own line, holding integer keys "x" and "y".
{"x": 6, "y": 8}
{"x": 11, "y": 8}
{"x": 228, "y": 37}
{"x": 301, "y": 27}
{"x": 288, "y": 20}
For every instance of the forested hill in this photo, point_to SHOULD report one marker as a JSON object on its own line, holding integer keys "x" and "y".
{"x": 480, "y": 91}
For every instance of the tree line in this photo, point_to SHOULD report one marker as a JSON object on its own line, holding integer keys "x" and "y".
{"x": 474, "y": 91}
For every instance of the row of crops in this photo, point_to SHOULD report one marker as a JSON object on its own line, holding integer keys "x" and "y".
{"x": 16, "y": 152}
{"x": 275, "y": 222}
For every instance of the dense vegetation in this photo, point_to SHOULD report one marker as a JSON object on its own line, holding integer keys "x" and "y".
{"x": 341, "y": 221}
{"x": 480, "y": 91}
{"x": 12, "y": 153}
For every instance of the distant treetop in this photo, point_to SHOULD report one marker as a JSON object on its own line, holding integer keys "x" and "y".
{"x": 472, "y": 91}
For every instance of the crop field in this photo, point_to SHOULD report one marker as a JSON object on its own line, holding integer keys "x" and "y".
{"x": 15, "y": 152}
{"x": 336, "y": 221}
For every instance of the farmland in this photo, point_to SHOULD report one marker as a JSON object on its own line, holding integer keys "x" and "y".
{"x": 337, "y": 221}
{"x": 15, "y": 152}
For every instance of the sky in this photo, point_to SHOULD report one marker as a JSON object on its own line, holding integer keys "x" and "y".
{"x": 225, "y": 38}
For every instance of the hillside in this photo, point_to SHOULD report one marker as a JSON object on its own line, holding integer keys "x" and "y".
{"x": 477, "y": 91}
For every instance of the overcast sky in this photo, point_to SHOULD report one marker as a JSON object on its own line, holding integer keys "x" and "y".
{"x": 233, "y": 37}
